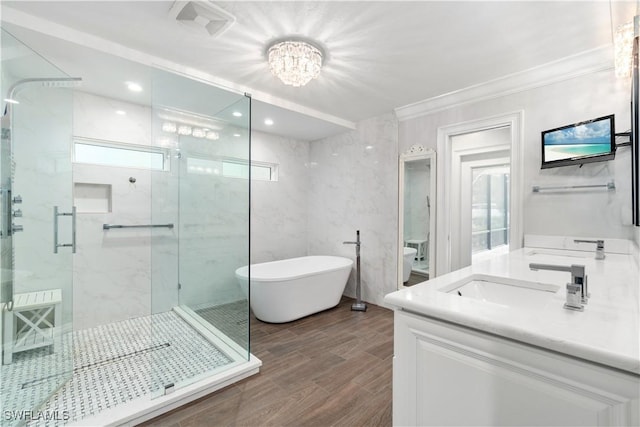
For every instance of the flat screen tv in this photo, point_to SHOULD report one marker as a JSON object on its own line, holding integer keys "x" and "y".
{"x": 579, "y": 143}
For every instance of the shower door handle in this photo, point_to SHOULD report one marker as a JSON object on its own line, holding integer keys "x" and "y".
{"x": 56, "y": 215}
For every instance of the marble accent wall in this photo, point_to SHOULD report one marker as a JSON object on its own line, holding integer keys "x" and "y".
{"x": 41, "y": 130}
{"x": 354, "y": 186}
{"x": 279, "y": 208}
{"x": 213, "y": 223}
{"x": 112, "y": 268}
{"x": 577, "y": 213}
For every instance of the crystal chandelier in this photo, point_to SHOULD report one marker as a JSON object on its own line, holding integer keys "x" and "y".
{"x": 294, "y": 62}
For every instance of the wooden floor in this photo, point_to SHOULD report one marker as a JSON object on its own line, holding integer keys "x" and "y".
{"x": 415, "y": 278}
{"x": 329, "y": 369}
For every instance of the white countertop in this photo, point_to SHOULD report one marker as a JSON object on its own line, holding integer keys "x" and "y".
{"x": 606, "y": 332}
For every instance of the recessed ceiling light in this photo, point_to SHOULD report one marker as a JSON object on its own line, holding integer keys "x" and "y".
{"x": 121, "y": 112}
{"x": 369, "y": 147}
{"x": 134, "y": 87}
{"x": 237, "y": 135}
{"x": 237, "y": 114}
{"x": 268, "y": 122}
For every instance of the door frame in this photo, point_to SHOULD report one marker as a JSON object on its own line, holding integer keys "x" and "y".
{"x": 447, "y": 173}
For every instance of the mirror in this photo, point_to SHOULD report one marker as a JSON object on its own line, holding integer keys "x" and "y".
{"x": 416, "y": 216}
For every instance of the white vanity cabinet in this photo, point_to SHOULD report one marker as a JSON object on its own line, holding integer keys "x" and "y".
{"x": 446, "y": 374}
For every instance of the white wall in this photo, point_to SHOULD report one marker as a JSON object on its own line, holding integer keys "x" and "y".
{"x": 279, "y": 208}
{"x": 354, "y": 185}
{"x": 580, "y": 213}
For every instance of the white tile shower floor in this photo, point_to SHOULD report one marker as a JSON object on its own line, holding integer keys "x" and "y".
{"x": 112, "y": 364}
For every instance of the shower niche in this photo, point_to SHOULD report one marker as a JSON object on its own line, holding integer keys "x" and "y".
{"x": 92, "y": 198}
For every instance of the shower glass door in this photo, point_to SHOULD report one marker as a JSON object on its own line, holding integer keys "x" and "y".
{"x": 37, "y": 234}
{"x": 205, "y": 194}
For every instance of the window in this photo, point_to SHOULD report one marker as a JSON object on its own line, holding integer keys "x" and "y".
{"x": 120, "y": 155}
{"x": 233, "y": 168}
{"x": 490, "y": 208}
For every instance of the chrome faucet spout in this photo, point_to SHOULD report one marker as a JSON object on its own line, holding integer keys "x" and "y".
{"x": 599, "y": 246}
{"x": 577, "y": 291}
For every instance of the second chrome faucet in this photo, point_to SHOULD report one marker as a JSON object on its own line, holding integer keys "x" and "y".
{"x": 599, "y": 246}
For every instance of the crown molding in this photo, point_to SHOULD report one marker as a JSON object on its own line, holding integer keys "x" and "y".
{"x": 591, "y": 61}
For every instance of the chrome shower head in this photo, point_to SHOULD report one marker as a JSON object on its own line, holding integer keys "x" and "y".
{"x": 44, "y": 82}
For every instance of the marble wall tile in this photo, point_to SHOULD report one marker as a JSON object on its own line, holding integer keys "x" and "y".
{"x": 354, "y": 186}
{"x": 112, "y": 268}
{"x": 214, "y": 231}
{"x": 279, "y": 208}
{"x": 112, "y": 278}
{"x": 41, "y": 131}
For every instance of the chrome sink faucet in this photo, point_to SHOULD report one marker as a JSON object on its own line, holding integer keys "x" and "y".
{"x": 577, "y": 291}
{"x": 599, "y": 246}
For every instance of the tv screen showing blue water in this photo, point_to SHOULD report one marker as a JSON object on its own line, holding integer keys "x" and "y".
{"x": 588, "y": 139}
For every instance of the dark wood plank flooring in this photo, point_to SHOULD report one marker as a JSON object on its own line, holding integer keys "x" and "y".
{"x": 329, "y": 369}
{"x": 415, "y": 278}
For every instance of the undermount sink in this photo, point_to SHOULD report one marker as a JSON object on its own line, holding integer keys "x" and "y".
{"x": 503, "y": 291}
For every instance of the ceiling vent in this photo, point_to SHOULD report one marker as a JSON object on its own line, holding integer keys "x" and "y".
{"x": 202, "y": 16}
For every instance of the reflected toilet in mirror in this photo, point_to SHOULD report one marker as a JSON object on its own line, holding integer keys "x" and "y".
{"x": 416, "y": 216}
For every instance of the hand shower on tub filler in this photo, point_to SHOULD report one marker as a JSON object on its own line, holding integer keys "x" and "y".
{"x": 358, "y": 305}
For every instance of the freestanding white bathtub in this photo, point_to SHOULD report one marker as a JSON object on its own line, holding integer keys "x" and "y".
{"x": 286, "y": 290}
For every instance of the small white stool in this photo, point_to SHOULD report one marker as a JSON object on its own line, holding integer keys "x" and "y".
{"x": 34, "y": 309}
{"x": 420, "y": 246}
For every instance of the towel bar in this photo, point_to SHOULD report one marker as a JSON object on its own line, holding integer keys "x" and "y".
{"x": 609, "y": 186}
{"x": 110, "y": 226}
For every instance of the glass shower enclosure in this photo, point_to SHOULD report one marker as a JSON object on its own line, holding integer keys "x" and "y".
{"x": 206, "y": 196}
{"x": 121, "y": 235}
{"x": 37, "y": 231}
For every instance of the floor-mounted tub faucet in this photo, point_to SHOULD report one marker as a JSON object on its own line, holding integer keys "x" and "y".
{"x": 577, "y": 291}
{"x": 599, "y": 246}
{"x": 358, "y": 305}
